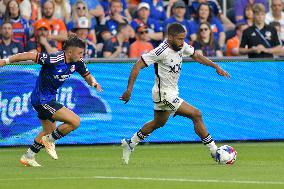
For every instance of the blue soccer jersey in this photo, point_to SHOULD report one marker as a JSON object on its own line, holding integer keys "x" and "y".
{"x": 52, "y": 75}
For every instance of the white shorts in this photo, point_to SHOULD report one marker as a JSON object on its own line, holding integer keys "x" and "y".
{"x": 168, "y": 102}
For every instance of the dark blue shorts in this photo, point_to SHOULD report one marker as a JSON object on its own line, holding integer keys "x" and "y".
{"x": 46, "y": 111}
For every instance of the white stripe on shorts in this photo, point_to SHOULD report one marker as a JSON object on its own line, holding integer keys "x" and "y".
{"x": 49, "y": 108}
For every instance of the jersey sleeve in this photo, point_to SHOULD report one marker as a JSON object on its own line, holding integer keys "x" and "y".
{"x": 188, "y": 50}
{"x": 153, "y": 56}
{"x": 82, "y": 69}
{"x": 42, "y": 58}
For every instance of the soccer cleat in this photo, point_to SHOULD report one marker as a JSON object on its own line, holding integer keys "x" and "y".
{"x": 28, "y": 161}
{"x": 49, "y": 147}
{"x": 126, "y": 150}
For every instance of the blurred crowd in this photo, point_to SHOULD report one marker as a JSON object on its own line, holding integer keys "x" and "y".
{"x": 129, "y": 28}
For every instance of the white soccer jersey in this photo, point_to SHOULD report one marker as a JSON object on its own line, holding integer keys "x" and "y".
{"x": 167, "y": 63}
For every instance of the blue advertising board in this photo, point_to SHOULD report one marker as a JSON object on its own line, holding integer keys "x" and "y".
{"x": 249, "y": 106}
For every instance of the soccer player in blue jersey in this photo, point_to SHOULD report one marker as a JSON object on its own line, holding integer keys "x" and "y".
{"x": 167, "y": 60}
{"x": 56, "y": 68}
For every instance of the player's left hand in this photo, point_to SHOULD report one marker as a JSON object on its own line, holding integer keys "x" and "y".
{"x": 222, "y": 72}
{"x": 125, "y": 97}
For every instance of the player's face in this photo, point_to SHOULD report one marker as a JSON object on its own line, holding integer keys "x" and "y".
{"x": 176, "y": 41}
{"x": 76, "y": 54}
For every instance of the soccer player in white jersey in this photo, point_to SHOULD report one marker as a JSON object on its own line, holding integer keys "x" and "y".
{"x": 167, "y": 60}
{"x": 56, "y": 68}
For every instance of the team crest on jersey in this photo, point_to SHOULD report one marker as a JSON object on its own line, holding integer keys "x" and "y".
{"x": 44, "y": 56}
{"x": 73, "y": 68}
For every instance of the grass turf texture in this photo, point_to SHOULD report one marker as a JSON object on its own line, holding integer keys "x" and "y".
{"x": 166, "y": 166}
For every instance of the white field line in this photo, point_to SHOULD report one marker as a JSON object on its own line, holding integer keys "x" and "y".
{"x": 150, "y": 179}
{"x": 154, "y": 146}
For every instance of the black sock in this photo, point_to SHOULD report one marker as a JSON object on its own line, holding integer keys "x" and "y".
{"x": 35, "y": 147}
{"x": 57, "y": 134}
{"x": 141, "y": 135}
{"x": 207, "y": 139}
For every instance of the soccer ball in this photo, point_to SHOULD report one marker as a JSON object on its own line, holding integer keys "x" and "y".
{"x": 226, "y": 155}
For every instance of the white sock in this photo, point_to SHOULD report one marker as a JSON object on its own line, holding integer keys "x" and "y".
{"x": 212, "y": 147}
{"x": 50, "y": 138}
{"x": 134, "y": 140}
{"x": 30, "y": 153}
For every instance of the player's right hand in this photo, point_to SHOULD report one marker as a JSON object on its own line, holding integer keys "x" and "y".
{"x": 125, "y": 96}
{"x": 99, "y": 88}
{"x": 2, "y": 62}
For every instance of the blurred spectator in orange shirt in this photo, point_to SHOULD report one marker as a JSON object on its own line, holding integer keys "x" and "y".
{"x": 234, "y": 43}
{"x": 58, "y": 28}
{"x": 40, "y": 43}
{"x": 141, "y": 45}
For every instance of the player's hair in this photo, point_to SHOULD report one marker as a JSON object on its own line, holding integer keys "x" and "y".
{"x": 175, "y": 29}
{"x": 74, "y": 41}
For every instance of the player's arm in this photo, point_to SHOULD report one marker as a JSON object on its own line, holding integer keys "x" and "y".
{"x": 91, "y": 80}
{"x": 205, "y": 61}
{"x": 140, "y": 64}
{"x": 19, "y": 57}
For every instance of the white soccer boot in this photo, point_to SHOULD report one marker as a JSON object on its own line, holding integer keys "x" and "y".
{"x": 49, "y": 147}
{"x": 29, "y": 161}
{"x": 126, "y": 150}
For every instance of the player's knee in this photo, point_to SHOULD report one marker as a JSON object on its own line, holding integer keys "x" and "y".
{"x": 197, "y": 115}
{"x": 75, "y": 123}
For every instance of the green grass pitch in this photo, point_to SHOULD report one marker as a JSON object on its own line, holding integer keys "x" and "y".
{"x": 165, "y": 166}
